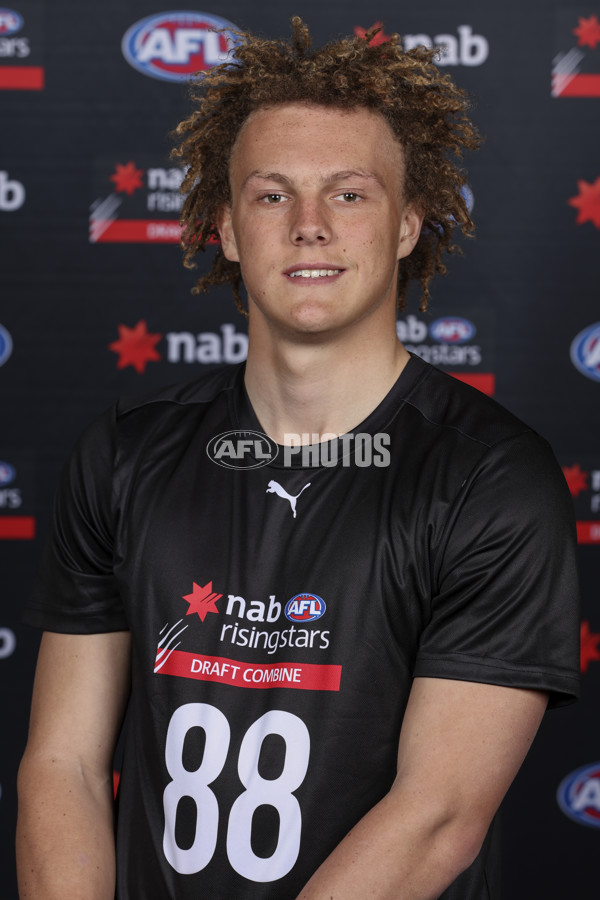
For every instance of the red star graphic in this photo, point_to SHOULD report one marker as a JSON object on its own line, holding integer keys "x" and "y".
{"x": 587, "y": 202}
{"x": 590, "y": 651}
{"x": 136, "y": 347}
{"x": 588, "y": 32}
{"x": 202, "y": 600}
{"x": 127, "y": 178}
{"x": 380, "y": 37}
{"x": 576, "y": 479}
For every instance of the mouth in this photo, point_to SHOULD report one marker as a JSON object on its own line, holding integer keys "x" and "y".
{"x": 312, "y": 272}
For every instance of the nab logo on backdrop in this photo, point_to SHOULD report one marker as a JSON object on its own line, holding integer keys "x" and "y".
{"x": 136, "y": 346}
{"x": 21, "y": 47}
{"x": 587, "y": 202}
{"x": 578, "y": 795}
{"x": 173, "y": 45}
{"x": 585, "y": 352}
{"x": 576, "y": 66}
{"x": 464, "y": 49}
{"x": 12, "y": 193}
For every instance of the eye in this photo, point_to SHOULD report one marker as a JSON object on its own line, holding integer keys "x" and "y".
{"x": 348, "y": 197}
{"x": 273, "y": 199}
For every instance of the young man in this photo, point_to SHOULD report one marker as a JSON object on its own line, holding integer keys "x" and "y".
{"x": 336, "y": 668}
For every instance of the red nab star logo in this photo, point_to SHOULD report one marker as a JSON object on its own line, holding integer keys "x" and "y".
{"x": 576, "y": 478}
{"x": 202, "y": 600}
{"x": 590, "y": 650}
{"x": 379, "y": 38}
{"x": 587, "y": 202}
{"x": 127, "y": 178}
{"x": 588, "y": 32}
{"x": 136, "y": 347}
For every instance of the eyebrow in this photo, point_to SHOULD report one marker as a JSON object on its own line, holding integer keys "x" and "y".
{"x": 329, "y": 179}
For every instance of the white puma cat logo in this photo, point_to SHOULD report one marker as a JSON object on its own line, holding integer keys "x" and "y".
{"x": 275, "y": 488}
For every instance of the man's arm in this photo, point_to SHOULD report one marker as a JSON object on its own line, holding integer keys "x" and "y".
{"x": 65, "y": 833}
{"x": 460, "y": 747}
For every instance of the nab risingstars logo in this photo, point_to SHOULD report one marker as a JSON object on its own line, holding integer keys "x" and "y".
{"x": 173, "y": 46}
{"x": 584, "y": 485}
{"x": 576, "y": 71}
{"x": 254, "y": 625}
{"x": 136, "y": 204}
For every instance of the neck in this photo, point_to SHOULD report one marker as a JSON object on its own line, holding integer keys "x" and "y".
{"x": 320, "y": 387}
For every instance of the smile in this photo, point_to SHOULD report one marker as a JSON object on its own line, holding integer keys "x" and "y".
{"x": 314, "y": 273}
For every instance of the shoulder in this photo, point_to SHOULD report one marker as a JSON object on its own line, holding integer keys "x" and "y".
{"x": 200, "y": 391}
{"x": 456, "y": 408}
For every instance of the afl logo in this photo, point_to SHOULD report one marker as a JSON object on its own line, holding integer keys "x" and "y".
{"x": 452, "y": 330}
{"x": 5, "y": 345}
{"x": 578, "y": 795}
{"x": 304, "y": 608}
{"x": 7, "y": 474}
{"x": 585, "y": 352}
{"x": 10, "y": 21}
{"x": 242, "y": 449}
{"x": 174, "y": 45}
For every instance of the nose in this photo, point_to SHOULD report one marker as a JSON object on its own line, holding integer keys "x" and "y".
{"x": 310, "y": 223}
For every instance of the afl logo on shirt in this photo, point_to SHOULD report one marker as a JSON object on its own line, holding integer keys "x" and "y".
{"x": 175, "y": 45}
{"x": 304, "y": 608}
{"x": 578, "y": 795}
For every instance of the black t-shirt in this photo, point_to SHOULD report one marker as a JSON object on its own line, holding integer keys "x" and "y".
{"x": 279, "y": 614}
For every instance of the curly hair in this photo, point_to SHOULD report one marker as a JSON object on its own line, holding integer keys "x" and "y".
{"x": 425, "y": 110}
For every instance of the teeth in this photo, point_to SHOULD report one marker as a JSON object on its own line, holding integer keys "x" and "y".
{"x": 314, "y": 273}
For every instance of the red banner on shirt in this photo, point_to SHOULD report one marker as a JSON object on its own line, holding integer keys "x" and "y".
{"x": 300, "y": 676}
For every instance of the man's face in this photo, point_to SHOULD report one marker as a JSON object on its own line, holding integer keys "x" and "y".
{"x": 317, "y": 220}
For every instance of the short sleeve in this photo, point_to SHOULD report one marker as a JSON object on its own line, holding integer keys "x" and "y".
{"x": 74, "y": 589}
{"x": 505, "y": 609}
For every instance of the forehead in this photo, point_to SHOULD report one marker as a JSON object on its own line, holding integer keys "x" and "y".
{"x": 302, "y": 136}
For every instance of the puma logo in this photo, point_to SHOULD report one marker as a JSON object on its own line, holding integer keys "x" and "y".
{"x": 275, "y": 488}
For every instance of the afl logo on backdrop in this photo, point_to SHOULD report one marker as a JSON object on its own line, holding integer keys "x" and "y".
{"x": 5, "y": 345}
{"x": 7, "y": 473}
{"x": 578, "y": 795}
{"x": 585, "y": 352}
{"x": 452, "y": 330}
{"x": 304, "y": 608}
{"x": 174, "y": 45}
{"x": 10, "y": 21}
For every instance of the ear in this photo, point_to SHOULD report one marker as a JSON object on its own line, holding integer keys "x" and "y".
{"x": 225, "y": 226}
{"x": 410, "y": 230}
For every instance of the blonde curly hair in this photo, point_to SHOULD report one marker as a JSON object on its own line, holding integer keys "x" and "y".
{"x": 426, "y": 111}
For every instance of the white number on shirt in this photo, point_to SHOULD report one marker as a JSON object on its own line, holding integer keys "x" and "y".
{"x": 274, "y": 792}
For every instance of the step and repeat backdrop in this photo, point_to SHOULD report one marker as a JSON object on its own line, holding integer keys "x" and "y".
{"x": 94, "y": 300}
